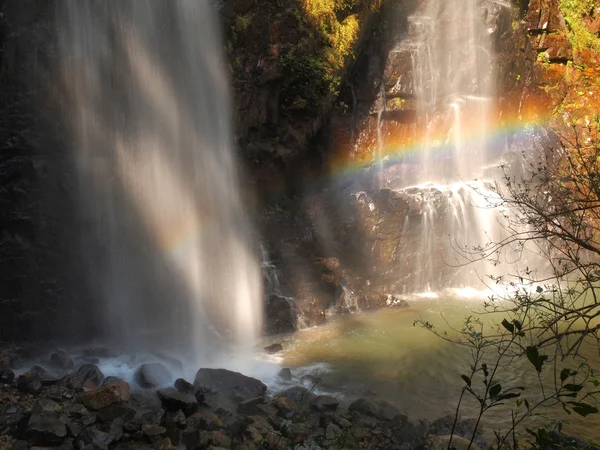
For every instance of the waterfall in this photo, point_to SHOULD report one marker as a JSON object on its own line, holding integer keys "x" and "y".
{"x": 166, "y": 239}
{"x": 453, "y": 84}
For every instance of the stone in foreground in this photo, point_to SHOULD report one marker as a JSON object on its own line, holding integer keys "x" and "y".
{"x": 105, "y": 396}
{"x": 323, "y": 403}
{"x": 152, "y": 375}
{"x": 45, "y": 429}
{"x": 230, "y": 384}
{"x": 173, "y": 400}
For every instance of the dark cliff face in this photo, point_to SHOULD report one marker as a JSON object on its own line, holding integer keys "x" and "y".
{"x": 40, "y": 283}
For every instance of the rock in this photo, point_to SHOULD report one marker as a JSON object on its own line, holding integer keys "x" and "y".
{"x": 88, "y": 420}
{"x": 109, "y": 380}
{"x": 73, "y": 430}
{"x": 152, "y": 375}
{"x": 230, "y": 384}
{"x": 116, "y": 411}
{"x": 92, "y": 436}
{"x": 442, "y": 442}
{"x": 163, "y": 444}
{"x": 29, "y": 383}
{"x": 332, "y": 431}
{"x": 75, "y": 410}
{"x": 323, "y": 403}
{"x": 61, "y": 360}
{"x": 378, "y": 409}
{"x": 281, "y": 314}
{"x": 285, "y": 407}
{"x": 153, "y": 430}
{"x": 184, "y": 386}
{"x": 45, "y": 429}
{"x": 413, "y": 435}
{"x": 173, "y": 400}
{"x": 220, "y": 439}
{"x": 103, "y": 397}
{"x": 250, "y": 404}
{"x": 273, "y": 348}
{"x": 297, "y": 394}
{"x": 285, "y": 374}
{"x": 6, "y": 376}
{"x": 116, "y": 429}
{"x": 91, "y": 372}
{"x": 46, "y": 405}
{"x": 204, "y": 420}
{"x": 153, "y": 417}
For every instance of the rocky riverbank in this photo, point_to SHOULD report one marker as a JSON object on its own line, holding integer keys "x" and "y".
{"x": 78, "y": 407}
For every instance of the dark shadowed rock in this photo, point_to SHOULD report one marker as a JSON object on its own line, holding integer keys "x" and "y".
{"x": 115, "y": 411}
{"x": 29, "y": 383}
{"x": 152, "y": 375}
{"x": 230, "y": 384}
{"x": 6, "y": 376}
{"x": 378, "y": 409}
{"x": 93, "y": 436}
{"x": 184, "y": 386}
{"x": 91, "y": 373}
{"x": 46, "y": 405}
{"x": 173, "y": 400}
{"x": 61, "y": 360}
{"x": 285, "y": 374}
{"x": 250, "y": 405}
{"x": 273, "y": 348}
{"x": 153, "y": 417}
{"x": 324, "y": 403}
{"x": 45, "y": 429}
{"x": 103, "y": 397}
{"x": 204, "y": 420}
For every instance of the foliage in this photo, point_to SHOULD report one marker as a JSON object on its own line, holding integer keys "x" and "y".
{"x": 575, "y": 12}
{"x": 541, "y": 319}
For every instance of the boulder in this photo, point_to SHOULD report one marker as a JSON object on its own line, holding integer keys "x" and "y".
{"x": 6, "y": 376}
{"x": 91, "y": 373}
{"x": 233, "y": 385}
{"x": 46, "y": 405}
{"x": 94, "y": 437}
{"x": 103, "y": 397}
{"x": 273, "y": 348}
{"x": 204, "y": 420}
{"x": 323, "y": 403}
{"x": 379, "y": 409}
{"x": 285, "y": 374}
{"x": 116, "y": 411}
{"x": 109, "y": 380}
{"x": 151, "y": 375}
{"x": 250, "y": 404}
{"x": 173, "y": 400}
{"x": 61, "y": 360}
{"x": 153, "y": 417}
{"x": 45, "y": 429}
{"x": 29, "y": 383}
{"x": 297, "y": 394}
{"x": 184, "y": 386}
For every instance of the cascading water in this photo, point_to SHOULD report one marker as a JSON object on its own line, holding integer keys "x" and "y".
{"x": 452, "y": 72}
{"x": 146, "y": 95}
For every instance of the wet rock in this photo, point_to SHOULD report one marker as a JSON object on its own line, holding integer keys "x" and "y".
{"x": 285, "y": 407}
{"x": 46, "y": 405}
{"x": 105, "y": 396}
{"x": 73, "y": 430}
{"x": 153, "y": 431}
{"x": 379, "y": 409}
{"x": 114, "y": 412}
{"x": 91, "y": 373}
{"x": 153, "y": 417}
{"x": 75, "y": 410}
{"x": 152, "y": 375}
{"x": 88, "y": 420}
{"x": 230, "y": 384}
{"x": 184, "y": 386}
{"x": 297, "y": 394}
{"x": 93, "y": 436}
{"x": 204, "y": 420}
{"x": 164, "y": 444}
{"x": 332, "y": 431}
{"x": 250, "y": 404}
{"x": 442, "y": 442}
{"x": 6, "y": 376}
{"x": 45, "y": 429}
{"x": 116, "y": 429}
{"x": 281, "y": 315}
{"x": 109, "y": 380}
{"x": 29, "y": 383}
{"x": 173, "y": 400}
{"x": 61, "y": 360}
{"x": 413, "y": 435}
{"x": 324, "y": 403}
{"x": 273, "y": 348}
{"x": 285, "y": 374}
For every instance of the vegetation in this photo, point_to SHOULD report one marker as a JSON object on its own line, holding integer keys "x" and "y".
{"x": 549, "y": 319}
{"x": 575, "y": 12}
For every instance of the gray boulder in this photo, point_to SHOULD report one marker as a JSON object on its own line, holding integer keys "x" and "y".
{"x": 233, "y": 385}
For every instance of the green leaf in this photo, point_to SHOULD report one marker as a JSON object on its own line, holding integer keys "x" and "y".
{"x": 509, "y": 326}
{"x": 508, "y": 396}
{"x": 583, "y": 409}
{"x": 573, "y": 387}
{"x": 467, "y": 380}
{"x": 535, "y": 358}
{"x": 596, "y": 383}
{"x": 539, "y": 290}
{"x": 495, "y": 390}
{"x": 518, "y": 325}
{"x": 566, "y": 373}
